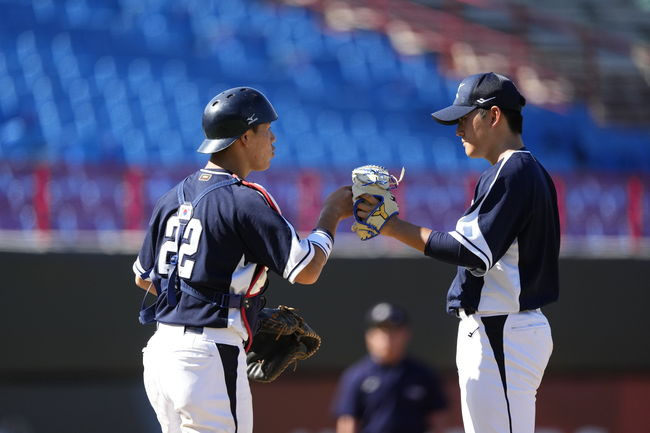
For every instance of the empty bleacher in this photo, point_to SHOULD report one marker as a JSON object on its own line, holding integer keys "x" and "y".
{"x": 126, "y": 82}
{"x": 93, "y": 90}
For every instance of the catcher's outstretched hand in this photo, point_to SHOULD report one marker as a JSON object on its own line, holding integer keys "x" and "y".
{"x": 338, "y": 202}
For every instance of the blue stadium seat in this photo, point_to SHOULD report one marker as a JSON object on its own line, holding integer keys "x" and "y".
{"x": 70, "y": 70}
{"x": 9, "y": 96}
{"x": 44, "y": 10}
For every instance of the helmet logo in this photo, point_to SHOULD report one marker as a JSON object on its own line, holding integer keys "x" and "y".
{"x": 252, "y": 119}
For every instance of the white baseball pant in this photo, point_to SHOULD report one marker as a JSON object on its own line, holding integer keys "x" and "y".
{"x": 501, "y": 360}
{"x": 197, "y": 382}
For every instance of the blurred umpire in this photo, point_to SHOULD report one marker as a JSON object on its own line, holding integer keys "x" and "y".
{"x": 388, "y": 391}
{"x": 206, "y": 253}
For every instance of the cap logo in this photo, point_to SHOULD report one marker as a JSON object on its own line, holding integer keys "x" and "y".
{"x": 458, "y": 91}
{"x": 251, "y": 119}
{"x": 381, "y": 312}
{"x": 483, "y": 101}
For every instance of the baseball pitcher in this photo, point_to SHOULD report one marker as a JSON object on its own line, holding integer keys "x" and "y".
{"x": 506, "y": 247}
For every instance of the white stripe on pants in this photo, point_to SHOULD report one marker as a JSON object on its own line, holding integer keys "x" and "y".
{"x": 184, "y": 380}
{"x": 526, "y": 348}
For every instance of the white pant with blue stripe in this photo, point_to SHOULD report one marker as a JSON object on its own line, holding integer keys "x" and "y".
{"x": 197, "y": 382}
{"x": 501, "y": 360}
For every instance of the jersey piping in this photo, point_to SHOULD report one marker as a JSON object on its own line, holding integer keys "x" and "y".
{"x": 468, "y": 232}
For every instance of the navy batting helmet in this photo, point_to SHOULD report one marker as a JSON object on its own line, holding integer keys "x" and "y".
{"x": 231, "y": 113}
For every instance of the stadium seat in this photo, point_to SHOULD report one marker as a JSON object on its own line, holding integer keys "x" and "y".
{"x": 125, "y": 82}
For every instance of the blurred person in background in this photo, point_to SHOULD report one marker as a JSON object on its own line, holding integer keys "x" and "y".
{"x": 388, "y": 391}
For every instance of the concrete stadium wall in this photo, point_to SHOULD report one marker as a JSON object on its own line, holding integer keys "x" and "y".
{"x": 70, "y": 344}
{"x": 73, "y": 301}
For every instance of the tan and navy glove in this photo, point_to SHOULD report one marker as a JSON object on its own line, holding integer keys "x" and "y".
{"x": 376, "y": 181}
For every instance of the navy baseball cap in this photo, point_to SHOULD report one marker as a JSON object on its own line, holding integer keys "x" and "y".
{"x": 386, "y": 314}
{"x": 481, "y": 91}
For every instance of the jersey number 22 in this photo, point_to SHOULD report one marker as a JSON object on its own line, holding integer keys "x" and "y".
{"x": 189, "y": 246}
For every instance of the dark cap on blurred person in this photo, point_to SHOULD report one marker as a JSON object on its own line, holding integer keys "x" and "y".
{"x": 481, "y": 91}
{"x": 386, "y": 314}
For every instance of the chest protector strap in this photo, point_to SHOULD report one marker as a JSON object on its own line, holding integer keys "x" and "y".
{"x": 249, "y": 304}
{"x": 174, "y": 283}
{"x": 249, "y": 316}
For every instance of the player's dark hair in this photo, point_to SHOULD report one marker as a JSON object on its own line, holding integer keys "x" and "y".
{"x": 514, "y": 118}
{"x": 255, "y": 129}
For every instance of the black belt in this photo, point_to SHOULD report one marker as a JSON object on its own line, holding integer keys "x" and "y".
{"x": 456, "y": 311}
{"x": 193, "y": 329}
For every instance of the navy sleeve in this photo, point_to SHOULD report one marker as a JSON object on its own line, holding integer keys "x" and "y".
{"x": 269, "y": 238}
{"x": 346, "y": 401}
{"x": 442, "y": 246}
{"x": 495, "y": 221}
{"x": 145, "y": 261}
{"x": 504, "y": 212}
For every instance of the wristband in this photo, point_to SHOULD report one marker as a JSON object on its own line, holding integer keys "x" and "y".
{"x": 322, "y": 239}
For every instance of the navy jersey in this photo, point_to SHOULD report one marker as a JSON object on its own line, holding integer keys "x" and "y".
{"x": 389, "y": 399}
{"x": 513, "y": 227}
{"x": 233, "y": 234}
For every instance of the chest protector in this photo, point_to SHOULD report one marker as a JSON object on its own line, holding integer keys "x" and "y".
{"x": 249, "y": 304}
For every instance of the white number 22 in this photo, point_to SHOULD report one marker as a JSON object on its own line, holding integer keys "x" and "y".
{"x": 189, "y": 246}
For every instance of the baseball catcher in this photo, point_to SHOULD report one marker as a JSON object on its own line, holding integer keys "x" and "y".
{"x": 376, "y": 181}
{"x": 283, "y": 338}
{"x": 210, "y": 243}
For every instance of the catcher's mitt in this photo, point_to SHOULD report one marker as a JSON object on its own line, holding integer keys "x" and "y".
{"x": 376, "y": 181}
{"x": 283, "y": 338}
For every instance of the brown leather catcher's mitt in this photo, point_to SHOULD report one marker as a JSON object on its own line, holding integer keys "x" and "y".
{"x": 283, "y": 338}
